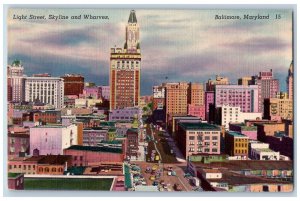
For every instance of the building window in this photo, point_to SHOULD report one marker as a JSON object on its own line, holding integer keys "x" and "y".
{"x": 191, "y": 137}
{"x": 215, "y": 138}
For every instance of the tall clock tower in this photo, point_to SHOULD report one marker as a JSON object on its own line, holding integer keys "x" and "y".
{"x": 125, "y": 66}
{"x": 132, "y": 33}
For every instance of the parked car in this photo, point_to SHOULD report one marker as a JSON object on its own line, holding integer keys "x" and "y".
{"x": 155, "y": 183}
{"x": 177, "y": 187}
{"x": 148, "y": 170}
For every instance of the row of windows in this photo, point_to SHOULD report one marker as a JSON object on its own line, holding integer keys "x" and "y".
{"x": 205, "y": 138}
{"x": 206, "y": 150}
{"x": 203, "y": 132}
{"x": 240, "y": 145}
{"x": 20, "y": 166}
{"x": 46, "y": 169}
{"x": 205, "y": 143}
{"x": 240, "y": 151}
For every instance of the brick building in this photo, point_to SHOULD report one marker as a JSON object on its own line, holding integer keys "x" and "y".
{"x": 45, "y": 116}
{"x": 125, "y": 65}
{"x": 18, "y": 144}
{"x": 268, "y": 86}
{"x": 85, "y": 155}
{"x": 236, "y": 144}
{"x": 132, "y": 143}
{"x": 15, "y": 181}
{"x": 73, "y": 84}
{"x": 194, "y": 138}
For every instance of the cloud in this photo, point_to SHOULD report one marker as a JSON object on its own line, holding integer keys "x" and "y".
{"x": 259, "y": 44}
{"x": 184, "y": 45}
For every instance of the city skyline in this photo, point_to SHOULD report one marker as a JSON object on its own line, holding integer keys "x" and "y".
{"x": 66, "y": 133}
{"x": 70, "y": 48}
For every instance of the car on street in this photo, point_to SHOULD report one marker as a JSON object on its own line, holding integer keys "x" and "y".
{"x": 177, "y": 187}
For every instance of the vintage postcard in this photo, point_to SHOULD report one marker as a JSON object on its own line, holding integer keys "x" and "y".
{"x": 136, "y": 99}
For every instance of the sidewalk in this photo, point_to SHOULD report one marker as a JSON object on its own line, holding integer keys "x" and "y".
{"x": 179, "y": 156}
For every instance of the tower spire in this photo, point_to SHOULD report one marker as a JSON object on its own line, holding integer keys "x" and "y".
{"x": 132, "y": 17}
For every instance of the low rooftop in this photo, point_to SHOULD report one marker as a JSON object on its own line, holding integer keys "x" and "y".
{"x": 236, "y": 134}
{"x": 235, "y": 179}
{"x": 263, "y": 149}
{"x": 198, "y": 126}
{"x": 108, "y": 123}
{"x": 14, "y": 175}
{"x": 211, "y": 171}
{"x": 133, "y": 130}
{"x": 96, "y": 149}
{"x": 111, "y": 142}
{"x": 236, "y": 165}
{"x": 54, "y": 159}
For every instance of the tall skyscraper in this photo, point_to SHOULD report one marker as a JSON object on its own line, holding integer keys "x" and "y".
{"x": 45, "y": 89}
{"x": 245, "y": 97}
{"x": 15, "y": 79}
{"x": 196, "y": 94}
{"x": 176, "y": 95}
{"x": 289, "y": 81}
{"x": 267, "y": 87}
{"x": 125, "y": 66}
{"x": 158, "y": 97}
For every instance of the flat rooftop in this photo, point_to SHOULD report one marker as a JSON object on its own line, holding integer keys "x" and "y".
{"x": 96, "y": 149}
{"x": 54, "y": 159}
{"x": 87, "y": 184}
{"x": 234, "y": 179}
{"x": 14, "y": 175}
{"x": 236, "y": 165}
{"x": 198, "y": 126}
{"x": 264, "y": 149}
{"x": 236, "y": 134}
{"x": 111, "y": 142}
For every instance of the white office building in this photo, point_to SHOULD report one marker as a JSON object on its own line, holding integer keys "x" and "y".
{"x": 15, "y": 78}
{"x": 230, "y": 114}
{"x": 261, "y": 151}
{"x": 45, "y": 89}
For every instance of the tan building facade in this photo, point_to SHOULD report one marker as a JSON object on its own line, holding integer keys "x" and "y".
{"x": 279, "y": 108}
{"x": 196, "y": 94}
{"x": 210, "y": 85}
{"x": 245, "y": 81}
{"x": 176, "y": 99}
{"x": 236, "y": 144}
{"x": 268, "y": 129}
